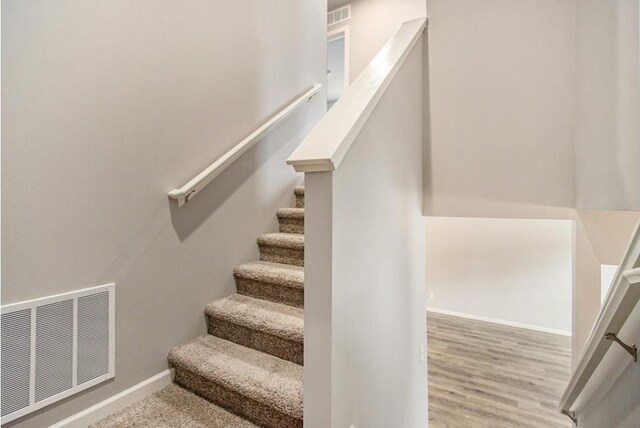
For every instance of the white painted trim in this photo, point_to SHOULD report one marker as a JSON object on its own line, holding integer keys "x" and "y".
{"x": 28, "y": 304}
{"x": 118, "y": 402}
{"x": 620, "y": 302}
{"x": 324, "y": 148}
{"x": 333, "y": 35}
{"x": 631, "y": 257}
{"x": 502, "y": 322}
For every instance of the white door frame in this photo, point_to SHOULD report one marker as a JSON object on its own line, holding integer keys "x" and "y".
{"x": 338, "y": 33}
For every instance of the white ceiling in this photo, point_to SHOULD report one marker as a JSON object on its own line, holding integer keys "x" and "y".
{"x": 334, "y": 4}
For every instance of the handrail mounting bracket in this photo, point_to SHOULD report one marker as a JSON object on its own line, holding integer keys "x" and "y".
{"x": 631, "y": 349}
{"x": 189, "y": 195}
{"x": 571, "y": 415}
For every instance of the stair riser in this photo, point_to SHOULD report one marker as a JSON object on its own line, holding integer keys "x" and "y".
{"x": 289, "y": 256}
{"x": 300, "y": 201}
{"x": 291, "y": 225}
{"x": 272, "y": 292}
{"x": 263, "y": 342}
{"x": 239, "y": 404}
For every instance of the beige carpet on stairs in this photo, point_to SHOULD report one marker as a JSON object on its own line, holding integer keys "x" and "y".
{"x": 174, "y": 407}
{"x": 247, "y": 371}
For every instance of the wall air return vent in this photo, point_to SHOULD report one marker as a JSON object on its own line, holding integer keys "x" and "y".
{"x": 55, "y": 347}
{"x": 339, "y": 15}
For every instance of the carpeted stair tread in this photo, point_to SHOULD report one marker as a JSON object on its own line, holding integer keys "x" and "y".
{"x": 260, "y": 377}
{"x": 299, "y": 193}
{"x": 247, "y": 372}
{"x": 173, "y": 407}
{"x": 291, "y": 220}
{"x": 293, "y": 213}
{"x": 273, "y": 273}
{"x": 282, "y": 240}
{"x": 276, "y": 282}
{"x": 287, "y": 248}
{"x": 263, "y": 316}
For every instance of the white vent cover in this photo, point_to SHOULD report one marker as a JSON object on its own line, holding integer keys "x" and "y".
{"x": 338, "y": 15}
{"x": 55, "y": 347}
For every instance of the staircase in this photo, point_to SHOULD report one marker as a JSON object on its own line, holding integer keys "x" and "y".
{"x": 248, "y": 368}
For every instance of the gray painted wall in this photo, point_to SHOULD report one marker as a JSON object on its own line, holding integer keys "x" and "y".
{"x": 608, "y": 93}
{"x": 515, "y": 270}
{"x": 502, "y": 107}
{"x": 364, "y": 271}
{"x": 372, "y": 23}
{"x": 106, "y": 106}
{"x": 534, "y": 107}
{"x": 378, "y": 261}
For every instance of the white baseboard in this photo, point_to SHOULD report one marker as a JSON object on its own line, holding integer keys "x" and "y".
{"x": 497, "y": 321}
{"x": 118, "y": 402}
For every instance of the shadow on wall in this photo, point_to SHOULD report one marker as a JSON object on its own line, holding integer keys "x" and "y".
{"x": 189, "y": 217}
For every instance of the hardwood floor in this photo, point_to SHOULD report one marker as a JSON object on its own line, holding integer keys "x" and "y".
{"x": 485, "y": 375}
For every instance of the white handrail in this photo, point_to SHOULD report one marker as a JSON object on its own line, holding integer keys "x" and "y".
{"x": 328, "y": 142}
{"x": 197, "y": 183}
{"x": 621, "y": 300}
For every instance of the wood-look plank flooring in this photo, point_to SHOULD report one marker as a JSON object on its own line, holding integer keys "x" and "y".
{"x": 485, "y": 375}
